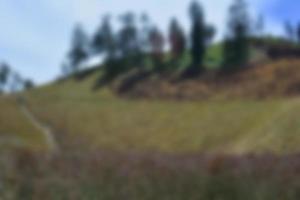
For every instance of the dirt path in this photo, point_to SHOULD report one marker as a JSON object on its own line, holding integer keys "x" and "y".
{"x": 45, "y": 130}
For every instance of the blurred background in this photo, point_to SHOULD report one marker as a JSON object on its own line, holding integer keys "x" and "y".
{"x": 169, "y": 99}
{"x": 35, "y": 36}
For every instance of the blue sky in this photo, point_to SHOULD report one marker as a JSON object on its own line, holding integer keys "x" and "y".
{"x": 283, "y": 10}
{"x": 35, "y": 34}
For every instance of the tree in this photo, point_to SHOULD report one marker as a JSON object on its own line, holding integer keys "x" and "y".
{"x": 197, "y": 36}
{"x": 201, "y": 35}
{"x": 28, "y": 84}
{"x": 290, "y": 31}
{"x": 98, "y": 40}
{"x": 177, "y": 40}
{"x": 125, "y": 51}
{"x": 237, "y": 45}
{"x": 143, "y": 40}
{"x": 4, "y": 74}
{"x": 17, "y": 82}
{"x": 128, "y": 40}
{"x": 78, "y": 52}
{"x": 106, "y": 42}
{"x": 298, "y": 33}
{"x": 260, "y": 25}
{"x": 103, "y": 40}
{"x": 145, "y": 32}
{"x": 156, "y": 40}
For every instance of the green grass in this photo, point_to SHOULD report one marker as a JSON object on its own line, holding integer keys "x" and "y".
{"x": 213, "y": 58}
{"x": 98, "y": 119}
{"x": 16, "y": 131}
{"x": 105, "y": 121}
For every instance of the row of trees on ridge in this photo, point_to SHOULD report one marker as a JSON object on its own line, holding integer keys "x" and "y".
{"x": 142, "y": 45}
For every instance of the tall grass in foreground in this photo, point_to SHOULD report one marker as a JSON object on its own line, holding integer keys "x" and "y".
{"x": 115, "y": 176}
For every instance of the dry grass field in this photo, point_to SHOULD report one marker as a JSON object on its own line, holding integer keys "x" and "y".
{"x": 16, "y": 130}
{"x": 218, "y": 149}
{"x": 103, "y": 120}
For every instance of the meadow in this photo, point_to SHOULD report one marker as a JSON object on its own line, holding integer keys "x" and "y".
{"x": 138, "y": 114}
{"x": 113, "y": 147}
{"x": 16, "y": 130}
{"x": 103, "y": 120}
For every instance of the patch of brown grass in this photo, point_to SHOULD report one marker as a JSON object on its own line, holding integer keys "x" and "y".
{"x": 277, "y": 79}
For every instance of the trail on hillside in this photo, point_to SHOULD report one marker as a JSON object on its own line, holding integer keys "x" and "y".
{"x": 45, "y": 130}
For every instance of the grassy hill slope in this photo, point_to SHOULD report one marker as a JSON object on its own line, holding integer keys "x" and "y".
{"x": 98, "y": 119}
{"x": 16, "y": 130}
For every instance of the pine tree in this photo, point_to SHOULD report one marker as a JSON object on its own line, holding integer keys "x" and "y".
{"x": 237, "y": 46}
{"x": 156, "y": 40}
{"x": 4, "y": 75}
{"x": 145, "y": 32}
{"x": 290, "y": 31}
{"x": 98, "y": 40}
{"x": 103, "y": 41}
{"x": 143, "y": 41}
{"x": 28, "y": 84}
{"x": 128, "y": 40}
{"x": 177, "y": 40}
{"x": 201, "y": 35}
{"x": 107, "y": 43}
{"x": 78, "y": 52}
{"x": 198, "y": 39}
{"x": 298, "y": 33}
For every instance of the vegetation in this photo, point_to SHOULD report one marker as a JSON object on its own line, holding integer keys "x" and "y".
{"x": 11, "y": 80}
{"x": 111, "y": 176}
{"x": 78, "y": 52}
{"x": 177, "y": 41}
{"x": 150, "y": 131}
{"x": 198, "y": 37}
{"x": 156, "y": 39}
{"x": 16, "y": 130}
{"x": 236, "y": 45}
{"x": 106, "y": 121}
{"x": 4, "y": 74}
{"x": 130, "y": 47}
{"x": 140, "y": 45}
{"x": 114, "y": 148}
